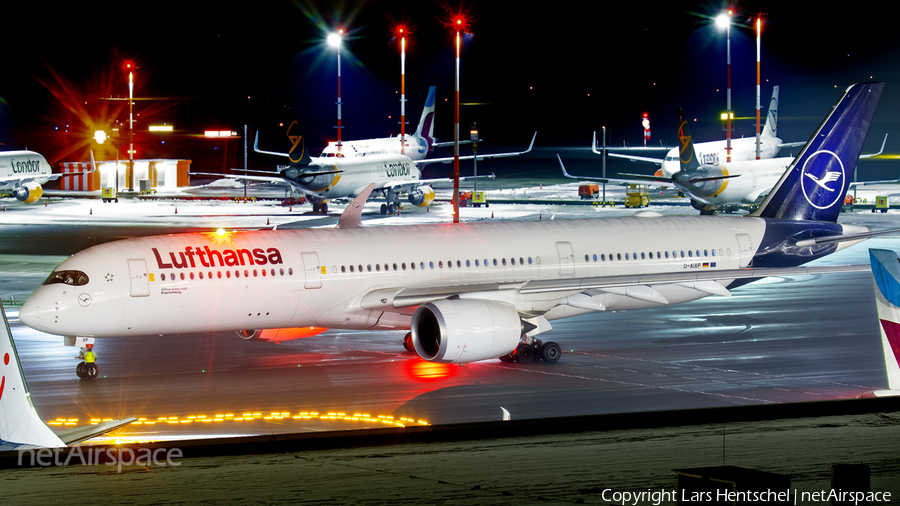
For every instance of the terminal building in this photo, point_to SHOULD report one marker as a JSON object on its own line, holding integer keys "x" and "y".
{"x": 158, "y": 174}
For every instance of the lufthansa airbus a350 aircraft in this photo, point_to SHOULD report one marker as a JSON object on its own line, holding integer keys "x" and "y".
{"x": 469, "y": 291}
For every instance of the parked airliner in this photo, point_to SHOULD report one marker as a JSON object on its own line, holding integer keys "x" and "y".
{"x": 346, "y": 173}
{"x": 711, "y": 152}
{"x": 465, "y": 292}
{"x": 23, "y": 172}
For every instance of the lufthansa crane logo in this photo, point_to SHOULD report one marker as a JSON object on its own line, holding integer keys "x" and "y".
{"x": 823, "y": 187}
{"x": 295, "y": 141}
{"x": 684, "y": 141}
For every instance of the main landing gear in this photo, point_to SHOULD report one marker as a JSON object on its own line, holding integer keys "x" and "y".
{"x": 525, "y": 353}
{"x": 320, "y": 207}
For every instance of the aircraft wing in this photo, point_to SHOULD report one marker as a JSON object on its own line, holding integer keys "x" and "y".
{"x": 477, "y": 157}
{"x": 245, "y": 177}
{"x": 879, "y": 151}
{"x": 791, "y": 145}
{"x": 638, "y": 286}
{"x": 633, "y": 158}
{"x": 634, "y": 178}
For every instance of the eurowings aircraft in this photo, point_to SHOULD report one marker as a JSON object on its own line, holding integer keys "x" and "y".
{"x": 711, "y": 152}
{"x": 886, "y": 271}
{"x": 21, "y": 427}
{"x": 465, "y": 292}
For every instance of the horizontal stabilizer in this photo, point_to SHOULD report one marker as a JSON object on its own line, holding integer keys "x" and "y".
{"x": 79, "y": 434}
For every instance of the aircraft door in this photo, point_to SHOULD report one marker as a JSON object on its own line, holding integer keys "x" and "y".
{"x": 745, "y": 249}
{"x": 566, "y": 258}
{"x": 139, "y": 279}
{"x": 312, "y": 270}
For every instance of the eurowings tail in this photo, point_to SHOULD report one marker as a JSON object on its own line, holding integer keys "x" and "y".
{"x": 886, "y": 271}
{"x": 814, "y": 186}
{"x": 770, "y": 129}
{"x": 425, "y": 129}
{"x": 20, "y": 425}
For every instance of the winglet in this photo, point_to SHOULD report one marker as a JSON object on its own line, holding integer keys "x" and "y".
{"x": 20, "y": 424}
{"x": 883, "y": 143}
{"x": 352, "y": 215}
{"x": 93, "y": 163}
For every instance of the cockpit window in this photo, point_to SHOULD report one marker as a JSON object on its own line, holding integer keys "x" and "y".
{"x": 71, "y": 278}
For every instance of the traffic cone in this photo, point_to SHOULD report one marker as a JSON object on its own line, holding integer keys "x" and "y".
{"x": 267, "y": 221}
{"x": 92, "y": 210}
{"x": 176, "y": 210}
{"x": 492, "y": 214}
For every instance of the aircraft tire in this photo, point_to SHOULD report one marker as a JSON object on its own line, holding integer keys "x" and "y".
{"x": 551, "y": 352}
{"x": 384, "y": 209}
{"x": 524, "y": 354}
{"x": 90, "y": 371}
{"x": 79, "y": 370}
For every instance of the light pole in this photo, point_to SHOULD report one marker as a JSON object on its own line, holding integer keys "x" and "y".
{"x": 335, "y": 40}
{"x": 129, "y": 174}
{"x": 724, "y": 21}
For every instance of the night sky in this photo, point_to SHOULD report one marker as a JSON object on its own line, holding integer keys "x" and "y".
{"x": 564, "y": 70}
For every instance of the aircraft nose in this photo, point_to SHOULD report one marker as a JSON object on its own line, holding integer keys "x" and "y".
{"x": 28, "y": 313}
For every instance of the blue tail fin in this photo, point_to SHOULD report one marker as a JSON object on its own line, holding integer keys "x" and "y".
{"x": 771, "y": 127}
{"x": 814, "y": 186}
{"x": 685, "y": 143}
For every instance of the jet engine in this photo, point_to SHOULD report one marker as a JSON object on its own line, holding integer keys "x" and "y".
{"x": 456, "y": 331}
{"x": 422, "y": 196}
{"x": 28, "y": 192}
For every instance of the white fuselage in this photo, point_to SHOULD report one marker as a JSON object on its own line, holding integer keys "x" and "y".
{"x": 356, "y": 173}
{"x": 20, "y": 167}
{"x": 753, "y": 179}
{"x": 714, "y": 152}
{"x": 347, "y": 278}
{"x": 416, "y": 148}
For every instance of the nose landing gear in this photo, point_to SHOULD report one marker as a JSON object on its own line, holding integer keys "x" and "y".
{"x": 87, "y": 369}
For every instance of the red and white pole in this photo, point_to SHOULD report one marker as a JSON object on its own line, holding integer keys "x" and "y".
{"x": 339, "y": 125}
{"x": 402, "y": 93}
{"x": 456, "y": 134}
{"x": 758, "y": 31}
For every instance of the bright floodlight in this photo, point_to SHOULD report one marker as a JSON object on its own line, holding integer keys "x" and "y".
{"x": 722, "y": 20}
{"x": 100, "y": 136}
{"x": 334, "y": 39}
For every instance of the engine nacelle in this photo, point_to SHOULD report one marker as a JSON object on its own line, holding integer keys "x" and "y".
{"x": 456, "y": 331}
{"x": 28, "y": 192}
{"x": 422, "y": 196}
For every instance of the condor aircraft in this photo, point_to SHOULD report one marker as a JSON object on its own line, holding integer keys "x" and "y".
{"x": 346, "y": 173}
{"x": 465, "y": 292}
{"x": 416, "y": 146}
{"x": 714, "y": 151}
{"x": 22, "y": 173}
